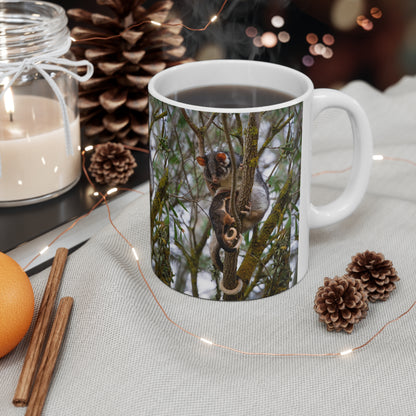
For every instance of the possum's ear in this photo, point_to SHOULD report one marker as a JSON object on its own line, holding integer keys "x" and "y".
{"x": 201, "y": 160}
{"x": 221, "y": 157}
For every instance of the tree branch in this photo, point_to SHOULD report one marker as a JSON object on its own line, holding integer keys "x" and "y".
{"x": 274, "y": 130}
{"x": 250, "y": 161}
{"x": 160, "y": 196}
{"x": 199, "y": 134}
{"x": 249, "y": 165}
{"x": 234, "y": 169}
{"x": 257, "y": 247}
{"x": 239, "y": 132}
{"x": 230, "y": 261}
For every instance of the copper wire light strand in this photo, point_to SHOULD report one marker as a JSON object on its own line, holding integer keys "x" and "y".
{"x": 137, "y": 149}
{"x": 66, "y": 230}
{"x": 160, "y": 305}
{"x": 144, "y": 22}
{"x": 131, "y": 246}
{"x": 173, "y": 322}
{"x": 399, "y": 159}
{"x": 104, "y": 199}
{"x": 384, "y": 327}
{"x": 382, "y": 157}
{"x": 325, "y": 172}
{"x": 225, "y": 347}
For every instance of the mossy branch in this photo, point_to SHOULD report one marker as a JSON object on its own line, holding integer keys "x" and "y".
{"x": 250, "y": 161}
{"x": 230, "y": 260}
{"x": 257, "y": 247}
{"x": 234, "y": 171}
{"x": 160, "y": 196}
{"x": 279, "y": 126}
{"x": 239, "y": 132}
{"x": 157, "y": 117}
{"x": 248, "y": 168}
{"x": 254, "y": 282}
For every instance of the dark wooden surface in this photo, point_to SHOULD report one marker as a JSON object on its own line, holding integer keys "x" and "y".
{"x": 21, "y": 224}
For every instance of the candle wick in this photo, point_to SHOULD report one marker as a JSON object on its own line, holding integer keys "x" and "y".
{"x": 11, "y": 116}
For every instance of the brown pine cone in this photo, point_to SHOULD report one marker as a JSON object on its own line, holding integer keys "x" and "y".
{"x": 112, "y": 164}
{"x": 376, "y": 274}
{"x": 114, "y": 102}
{"x": 341, "y": 303}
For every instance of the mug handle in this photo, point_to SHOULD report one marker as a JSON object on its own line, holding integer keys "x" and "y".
{"x": 346, "y": 203}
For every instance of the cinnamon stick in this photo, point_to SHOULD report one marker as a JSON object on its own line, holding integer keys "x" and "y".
{"x": 27, "y": 376}
{"x": 47, "y": 365}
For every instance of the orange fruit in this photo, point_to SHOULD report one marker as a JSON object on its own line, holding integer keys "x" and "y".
{"x": 17, "y": 304}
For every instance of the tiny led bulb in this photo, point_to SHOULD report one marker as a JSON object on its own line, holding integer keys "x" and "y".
{"x": 378, "y": 157}
{"x": 206, "y": 341}
{"x": 88, "y": 148}
{"x": 156, "y": 23}
{"x": 111, "y": 191}
{"x": 44, "y": 250}
{"x": 214, "y": 18}
{"x": 135, "y": 253}
{"x": 346, "y": 352}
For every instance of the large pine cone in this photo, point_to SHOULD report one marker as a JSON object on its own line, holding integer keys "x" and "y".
{"x": 376, "y": 274}
{"x": 341, "y": 303}
{"x": 114, "y": 102}
{"x": 112, "y": 164}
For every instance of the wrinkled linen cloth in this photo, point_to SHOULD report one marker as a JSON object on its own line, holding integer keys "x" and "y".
{"x": 121, "y": 356}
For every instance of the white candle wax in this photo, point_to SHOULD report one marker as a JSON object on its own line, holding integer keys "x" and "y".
{"x": 34, "y": 161}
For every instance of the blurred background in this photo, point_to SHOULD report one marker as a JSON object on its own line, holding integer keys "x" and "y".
{"x": 332, "y": 41}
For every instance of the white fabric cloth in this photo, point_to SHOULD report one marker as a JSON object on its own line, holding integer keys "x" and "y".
{"x": 122, "y": 357}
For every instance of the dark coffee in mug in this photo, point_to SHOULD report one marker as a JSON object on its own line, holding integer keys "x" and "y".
{"x": 231, "y": 96}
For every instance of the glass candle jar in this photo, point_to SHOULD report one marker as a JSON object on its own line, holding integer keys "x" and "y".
{"x": 40, "y": 149}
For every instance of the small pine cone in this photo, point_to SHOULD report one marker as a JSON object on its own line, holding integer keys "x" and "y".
{"x": 376, "y": 274}
{"x": 341, "y": 303}
{"x": 112, "y": 164}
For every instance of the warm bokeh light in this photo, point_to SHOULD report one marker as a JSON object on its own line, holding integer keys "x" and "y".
{"x": 360, "y": 20}
{"x": 367, "y": 25}
{"x": 283, "y": 36}
{"x": 343, "y": 13}
{"x": 320, "y": 48}
{"x": 328, "y": 39}
{"x": 251, "y": 31}
{"x": 308, "y": 60}
{"x": 269, "y": 39}
{"x": 311, "y": 38}
{"x": 328, "y": 53}
{"x": 278, "y": 21}
{"x": 312, "y": 50}
{"x": 257, "y": 41}
{"x": 376, "y": 13}
{"x": 364, "y": 22}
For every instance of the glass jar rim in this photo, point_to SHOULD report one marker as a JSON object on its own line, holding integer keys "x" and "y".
{"x": 30, "y": 28}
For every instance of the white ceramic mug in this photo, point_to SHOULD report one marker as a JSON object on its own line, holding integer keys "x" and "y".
{"x": 230, "y": 187}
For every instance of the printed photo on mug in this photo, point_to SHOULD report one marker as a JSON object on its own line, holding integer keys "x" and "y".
{"x": 229, "y": 178}
{"x": 230, "y": 207}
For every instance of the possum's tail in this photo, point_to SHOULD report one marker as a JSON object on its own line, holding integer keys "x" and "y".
{"x": 217, "y": 244}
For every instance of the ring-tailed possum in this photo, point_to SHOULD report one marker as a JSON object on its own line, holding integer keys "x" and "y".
{"x": 218, "y": 175}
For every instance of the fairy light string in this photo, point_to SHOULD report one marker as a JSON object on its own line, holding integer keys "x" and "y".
{"x": 375, "y": 157}
{"x": 103, "y": 200}
{"x": 160, "y": 24}
{"x": 204, "y": 340}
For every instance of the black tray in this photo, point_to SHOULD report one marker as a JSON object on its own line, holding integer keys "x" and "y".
{"x": 21, "y": 224}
